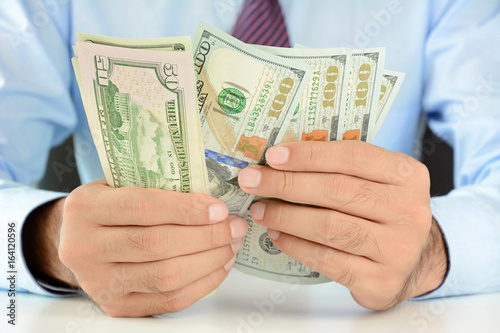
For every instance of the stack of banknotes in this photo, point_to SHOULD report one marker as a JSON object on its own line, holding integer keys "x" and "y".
{"x": 157, "y": 123}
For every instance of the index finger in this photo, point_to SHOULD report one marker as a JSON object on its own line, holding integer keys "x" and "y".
{"x": 349, "y": 157}
{"x": 108, "y": 206}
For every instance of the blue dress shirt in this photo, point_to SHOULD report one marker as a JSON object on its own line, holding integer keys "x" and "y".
{"x": 450, "y": 51}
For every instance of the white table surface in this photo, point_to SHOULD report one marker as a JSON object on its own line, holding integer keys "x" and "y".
{"x": 319, "y": 308}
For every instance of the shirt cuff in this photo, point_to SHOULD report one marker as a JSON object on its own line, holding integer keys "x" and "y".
{"x": 468, "y": 218}
{"x": 18, "y": 202}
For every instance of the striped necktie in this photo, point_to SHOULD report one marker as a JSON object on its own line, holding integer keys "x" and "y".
{"x": 261, "y": 22}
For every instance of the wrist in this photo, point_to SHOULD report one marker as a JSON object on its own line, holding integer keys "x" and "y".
{"x": 433, "y": 265}
{"x": 41, "y": 242}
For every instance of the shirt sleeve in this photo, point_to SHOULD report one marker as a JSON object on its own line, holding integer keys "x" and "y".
{"x": 36, "y": 113}
{"x": 462, "y": 102}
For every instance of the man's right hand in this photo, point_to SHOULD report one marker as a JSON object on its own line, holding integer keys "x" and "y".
{"x": 140, "y": 252}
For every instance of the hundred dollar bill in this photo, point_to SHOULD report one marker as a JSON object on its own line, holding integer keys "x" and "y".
{"x": 363, "y": 93}
{"x": 316, "y": 118}
{"x": 391, "y": 83}
{"x": 246, "y": 98}
{"x": 259, "y": 257}
{"x": 141, "y": 109}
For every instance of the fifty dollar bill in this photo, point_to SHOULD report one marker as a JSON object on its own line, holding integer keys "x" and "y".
{"x": 141, "y": 110}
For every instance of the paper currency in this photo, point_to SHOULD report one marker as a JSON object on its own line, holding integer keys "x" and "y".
{"x": 391, "y": 83}
{"x": 181, "y": 43}
{"x": 259, "y": 257}
{"x": 140, "y": 98}
{"x": 246, "y": 99}
{"x": 141, "y": 110}
{"x": 316, "y": 118}
{"x": 363, "y": 93}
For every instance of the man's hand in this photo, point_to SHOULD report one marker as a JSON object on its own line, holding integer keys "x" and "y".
{"x": 140, "y": 252}
{"x": 365, "y": 219}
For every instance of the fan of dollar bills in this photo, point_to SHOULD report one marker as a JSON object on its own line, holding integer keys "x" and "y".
{"x": 156, "y": 123}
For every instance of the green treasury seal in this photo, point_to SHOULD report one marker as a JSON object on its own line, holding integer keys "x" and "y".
{"x": 267, "y": 245}
{"x": 231, "y": 100}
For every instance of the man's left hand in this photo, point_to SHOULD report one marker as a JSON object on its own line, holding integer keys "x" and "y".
{"x": 363, "y": 219}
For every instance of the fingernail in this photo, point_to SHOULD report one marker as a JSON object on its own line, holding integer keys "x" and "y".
{"x": 217, "y": 212}
{"x": 230, "y": 263}
{"x": 273, "y": 234}
{"x": 277, "y": 155}
{"x": 236, "y": 246}
{"x": 239, "y": 227}
{"x": 257, "y": 210}
{"x": 249, "y": 177}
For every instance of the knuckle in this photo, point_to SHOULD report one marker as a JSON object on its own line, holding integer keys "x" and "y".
{"x": 367, "y": 189}
{"x": 218, "y": 234}
{"x": 346, "y": 277}
{"x": 200, "y": 201}
{"x": 316, "y": 153}
{"x": 422, "y": 211}
{"x": 77, "y": 201}
{"x": 177, "y": 304}
{"x": 287, "y": 246}
{"x": 285, "y": 183}
{"x": 65, "y": 253}
{"x": 338, "y": 187}
{"x": 424, "y": 177}
{"x": 141, "y": 209}
{"x": 73, "y": 254}
{"x": 367, "y": 192}
{"x": 426, "y": 219}
{"x": 328, "y": 227}
{"x": 324, "y": 261}
{"x": 216, "y": 278}
{"x": 93, "y": 287}
{"x": 362, "y": 154}
{"x": 172, "y": 302}
{"x": 420, "y": 215}
{"x": 420, "y": 169}
{"x": 197, "y": 203}
{"x": 154, "y": 308}
{"x": 351, "y": 235}
{"x": 279, "y": 214}
{"x": 167, "y": 278}
{"x": 408, "y": 168}
{"x": 152, "y": 241}
{"x": 214, "y": 235}
{"x": 225, "y": 254}
{"x": 417, "y": 170}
